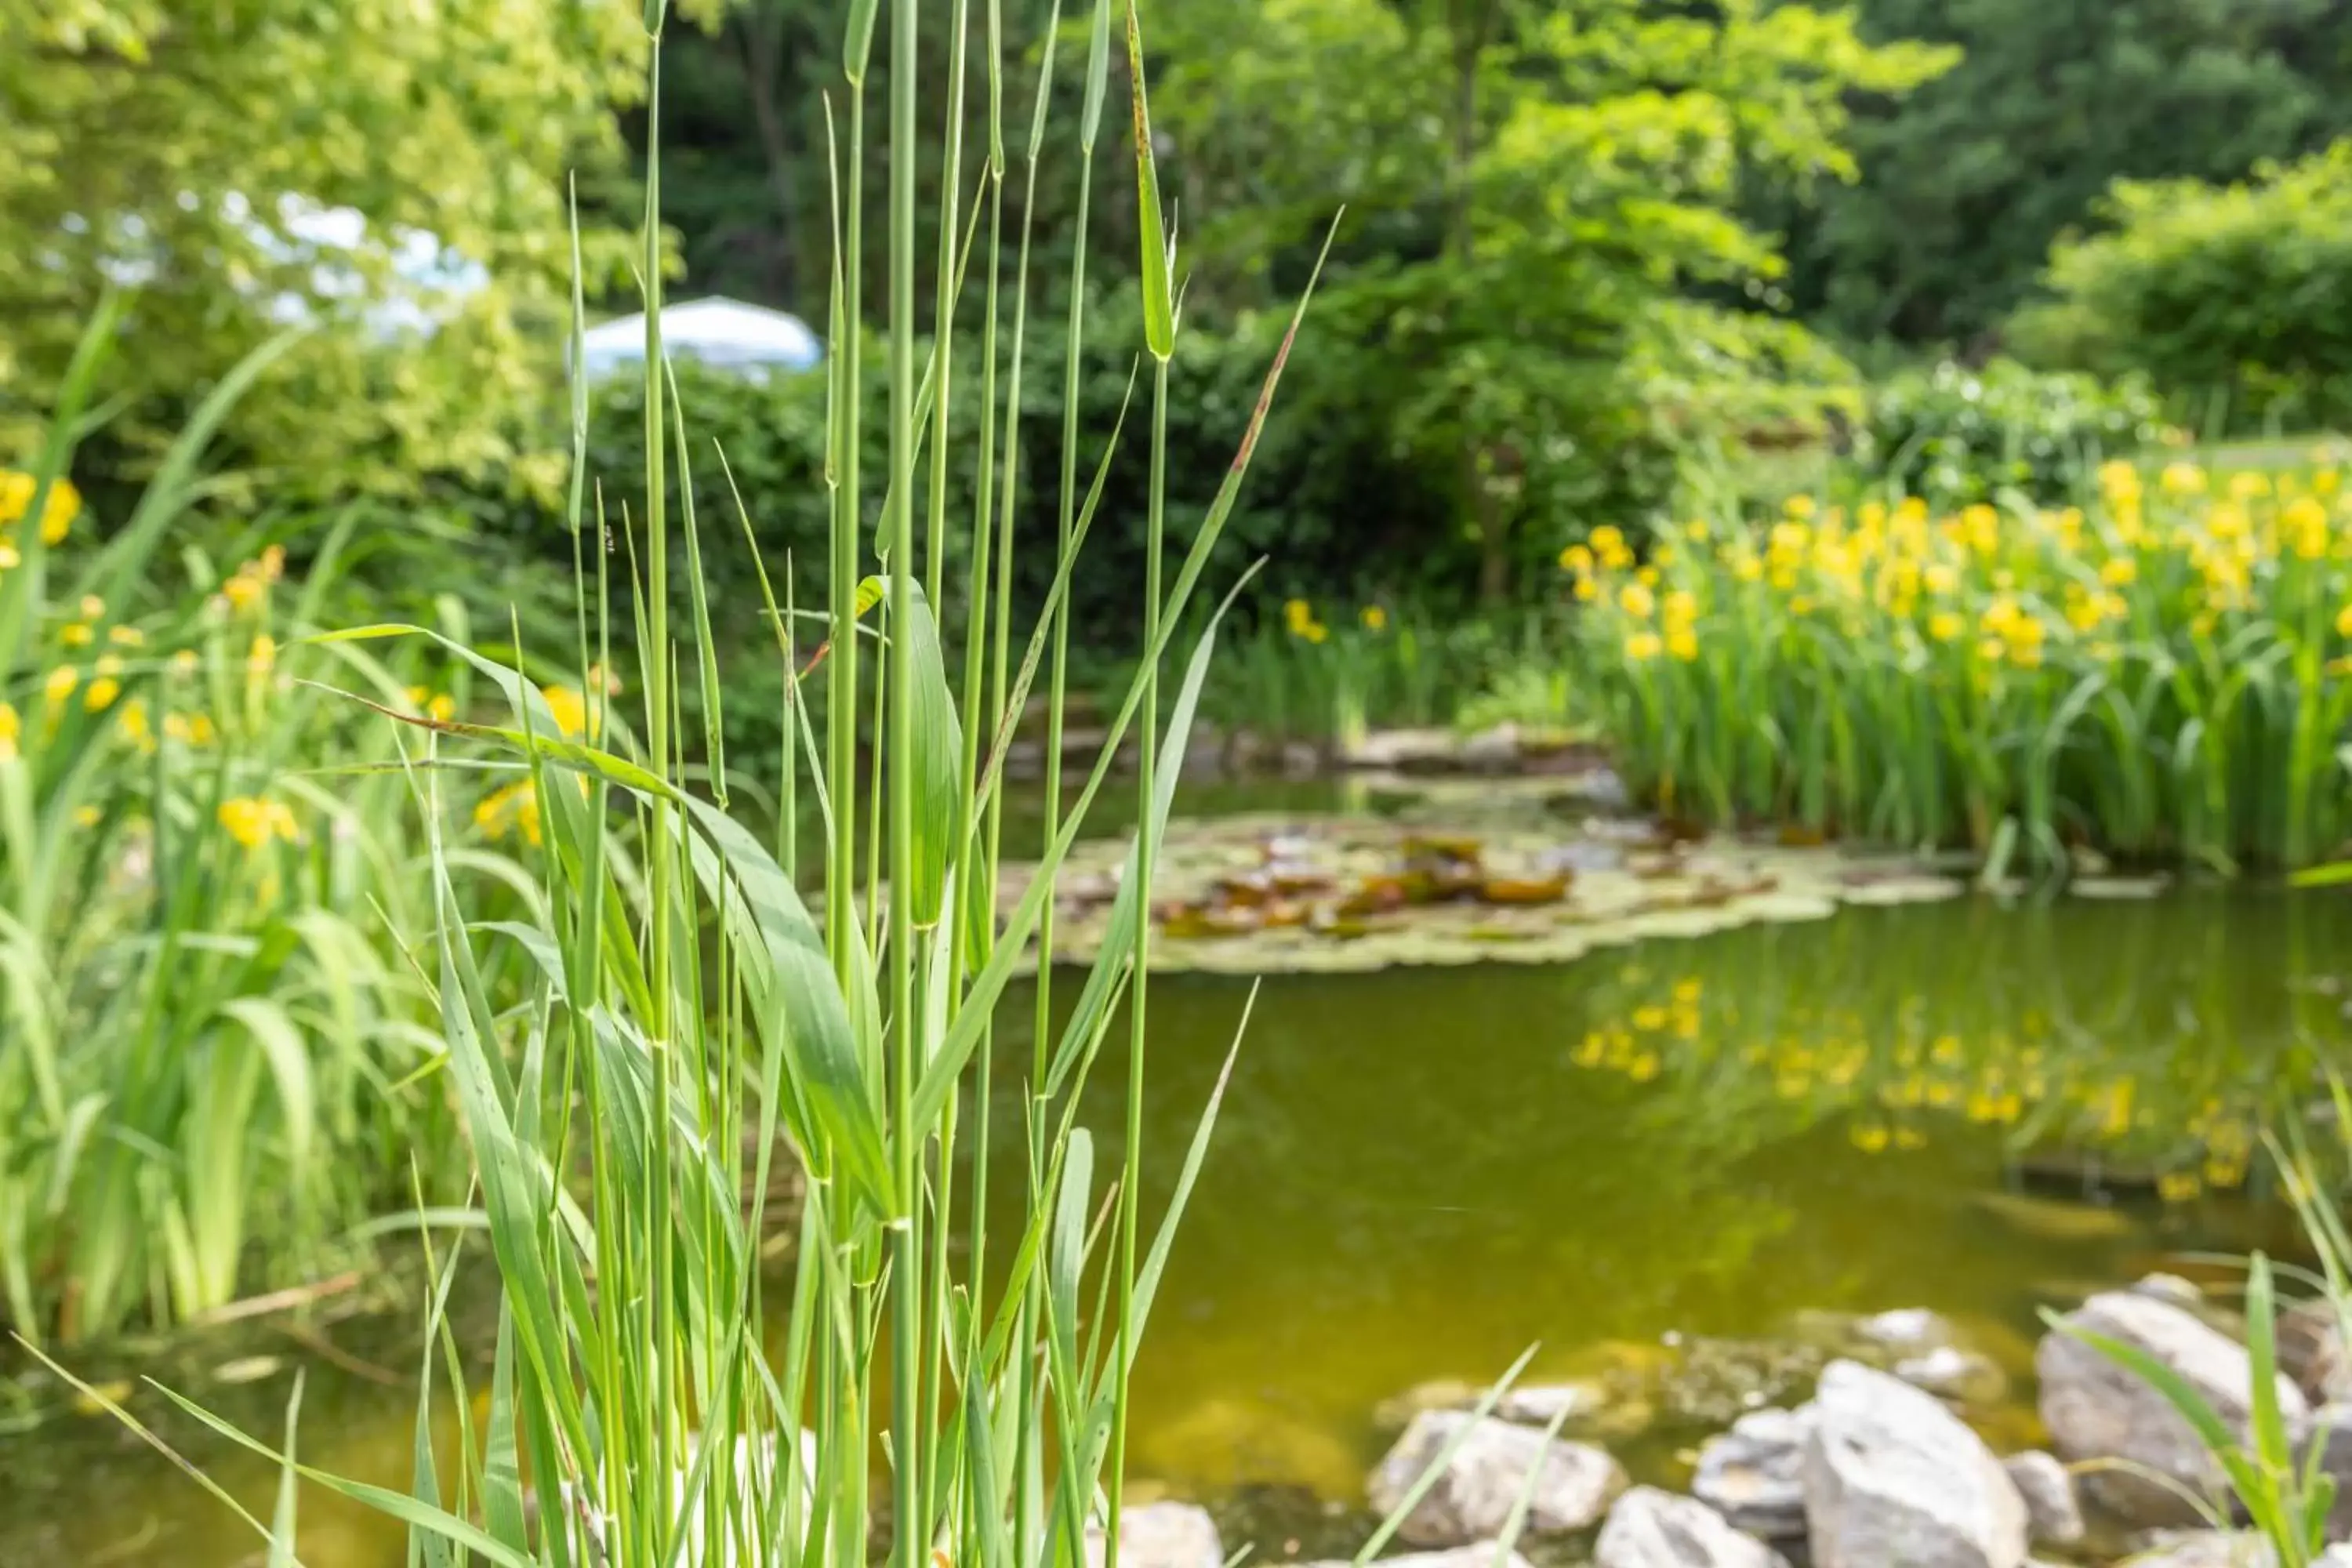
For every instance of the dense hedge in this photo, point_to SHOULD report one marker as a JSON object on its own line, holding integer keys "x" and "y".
{"x": 1954, "y": 435}
{"x": 2241, "y": 290}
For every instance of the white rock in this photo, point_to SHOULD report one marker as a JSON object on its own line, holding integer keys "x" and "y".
{"x": 1908, "y": 1330}
{"x": 2095, "y": 1409}
{"x": 1892, "y": 1477}
{"x": 1653, "y": 1529}
{"x": 2205, "y": 1549}
{"x": 2330, "y": 1429}
{"x": 2172, "y": 1288}
{"x": 1754, "y": 1474}
{"x": 1160, "y": 1535}
{"x": 2311, "y": 1351}
{"x": 1480, "y": 1484}
{"x": 1947, "y": 1372}
{"x": 1539, "y": 1405}
{"x": 1480, "y": 1554}
{"x": 2053, "y": 1515}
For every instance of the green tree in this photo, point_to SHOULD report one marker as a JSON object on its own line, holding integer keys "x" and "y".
{"x": 2241, "y": 291}
{"x": 393, "y": 174}
{"x": 1966, "y": 183}
{"x": 1545, "y": 219}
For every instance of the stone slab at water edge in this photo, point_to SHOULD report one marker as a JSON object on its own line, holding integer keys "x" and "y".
{"x": 1478, "y": 1486}
{"x": 1892, "y": 1477}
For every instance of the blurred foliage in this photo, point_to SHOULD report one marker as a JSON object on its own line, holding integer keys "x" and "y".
{"x": 1966, "y": 183}
{"x": 1544, "y": 245}
{"x": 2244, "y": 291}
{"x": 1952, "y": 435}
{"x": 391, "y": 173}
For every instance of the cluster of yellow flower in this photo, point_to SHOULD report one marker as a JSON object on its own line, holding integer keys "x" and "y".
{"x": 512, "y": 810}
{"x": 1299, "y": 615}
{"x": 249, "y": 584}
{"x": 59, "y": 509}
{"x": 256, "y": 822}
{"x": 2012, "y": 591}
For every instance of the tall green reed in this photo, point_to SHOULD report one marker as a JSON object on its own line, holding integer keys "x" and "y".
{"x": 689, "y": 1021}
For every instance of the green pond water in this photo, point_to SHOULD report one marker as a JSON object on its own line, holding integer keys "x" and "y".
{"x": 1419, "y": 1173}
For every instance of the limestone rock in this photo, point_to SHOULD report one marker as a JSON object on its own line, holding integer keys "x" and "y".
{"x": 2205, "y": 1549}
{"x": 2331, "y": 1429}
{"x": 1478, "y": 1555}
{"x": 2095, "y": 1409}
{"x": 1653, "y": 1528}
{"x": 2311, "y": 1351}
{"x": 1906, "y": 1330}
{"x": 2172, "y": 1288}
{"x": 2053, "y": 1517}
{"x": 1964, "y": 1377}
{"x": 1892, "y": 1477}
{"x": 1160, "y": 1535}
{"x": 1475, "y": 1492}
{"x": 1539, "y": 1405}
{"x": 1754, "y": 1474}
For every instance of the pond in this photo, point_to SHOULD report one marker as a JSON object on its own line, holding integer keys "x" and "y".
{"x": 1419, "y": 1173}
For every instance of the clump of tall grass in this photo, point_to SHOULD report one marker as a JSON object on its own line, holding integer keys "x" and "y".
{"x": 216, "y": 1054}
{"x": 691, "y": 1018}
{"x": 2158, "y": 672}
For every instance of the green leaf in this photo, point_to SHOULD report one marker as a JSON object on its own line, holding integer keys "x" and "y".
{"x": 281, "y": 1522}
{"x": 1159, "y": 267}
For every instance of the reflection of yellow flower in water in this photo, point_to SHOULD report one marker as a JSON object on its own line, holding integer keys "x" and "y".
{"x": 254, "y": 822}
{"x": 1870, "y": 1137}
{"x": 2177, "y": 1186}
{"x": 512, "y": 810}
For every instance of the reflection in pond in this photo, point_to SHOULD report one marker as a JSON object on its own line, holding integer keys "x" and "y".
{"x": 1650, "y": 1160}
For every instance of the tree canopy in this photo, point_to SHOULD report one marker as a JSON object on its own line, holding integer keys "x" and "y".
{"x": 1965, "y": 184}
{"x": 393, "y": 174}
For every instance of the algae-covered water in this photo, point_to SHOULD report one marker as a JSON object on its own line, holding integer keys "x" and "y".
{"x": 1419, "y": 1173}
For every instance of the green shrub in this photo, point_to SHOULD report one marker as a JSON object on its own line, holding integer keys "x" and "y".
{"x": 1952, "y": 435}
{"x": 2243, "y": 290}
